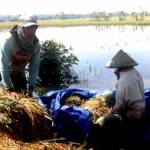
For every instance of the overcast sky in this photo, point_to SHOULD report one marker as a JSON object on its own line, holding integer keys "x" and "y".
{"x": 13, "y": 7}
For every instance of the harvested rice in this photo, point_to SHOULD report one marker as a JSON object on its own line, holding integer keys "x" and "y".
{"x": 97, "y": 106}
{"x": 24, "y": 119}
{"x": 72, "y": 101}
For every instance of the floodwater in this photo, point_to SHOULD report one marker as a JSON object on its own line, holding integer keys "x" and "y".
{"x": 95, "y": 45}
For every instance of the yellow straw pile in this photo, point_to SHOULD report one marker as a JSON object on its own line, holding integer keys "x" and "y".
{"x": 97, "y": 106}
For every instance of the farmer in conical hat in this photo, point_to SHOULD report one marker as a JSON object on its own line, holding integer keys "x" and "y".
{"x": 20, "y": 49}
{"x": 118, "y": 128}
{"x": 130, "y": 103}
{"x": 129, "y": 87}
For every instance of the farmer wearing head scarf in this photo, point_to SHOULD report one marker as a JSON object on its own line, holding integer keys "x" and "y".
{"x": 21, "y": 50}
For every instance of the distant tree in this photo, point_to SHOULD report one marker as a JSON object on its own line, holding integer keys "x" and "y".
{"x": 139, "y": 16}
{"x": 122, "y": 15}
{"x": 142, "y": 15}
{"x": 134, "y": 16}
{"x": 98, "y": 16}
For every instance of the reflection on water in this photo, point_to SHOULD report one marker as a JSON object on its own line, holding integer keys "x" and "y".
{"x": 95, "y": 45}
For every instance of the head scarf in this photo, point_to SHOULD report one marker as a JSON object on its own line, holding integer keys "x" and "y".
{"x": 22, "y": 41}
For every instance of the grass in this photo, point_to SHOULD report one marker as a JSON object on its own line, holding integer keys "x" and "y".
{"x": 82, "y": 22}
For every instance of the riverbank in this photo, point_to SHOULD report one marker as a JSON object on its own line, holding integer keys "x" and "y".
{"x": 83, "y": 22}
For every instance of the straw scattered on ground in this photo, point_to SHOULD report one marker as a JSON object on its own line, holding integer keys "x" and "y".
{"x": 7, "y": 143}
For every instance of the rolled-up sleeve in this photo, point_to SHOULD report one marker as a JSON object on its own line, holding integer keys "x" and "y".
{"x": 5, "y": 62}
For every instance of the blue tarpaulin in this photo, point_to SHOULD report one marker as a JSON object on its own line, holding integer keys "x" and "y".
{"x": 52, "y": 99}
{"x": 73, "y": 120}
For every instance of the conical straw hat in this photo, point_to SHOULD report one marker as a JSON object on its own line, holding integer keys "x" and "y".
{"x": 121, "y": 60}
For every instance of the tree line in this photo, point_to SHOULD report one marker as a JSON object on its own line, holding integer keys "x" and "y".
{"x": 98, "y": 16}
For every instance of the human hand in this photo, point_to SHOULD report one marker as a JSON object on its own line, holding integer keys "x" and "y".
{"x": 100, "y": 120}
{"x": 14, "y": 95}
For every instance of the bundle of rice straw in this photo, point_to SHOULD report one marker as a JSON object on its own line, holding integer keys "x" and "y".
{"x": 110, "y": 100}
{"x": 97, "y": 106}
{"x": 41, "y": 123}
{"x": 24, "y": 119}
{"x": 72, "y": 101}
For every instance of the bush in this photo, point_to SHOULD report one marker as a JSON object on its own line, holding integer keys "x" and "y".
{"x": 56, "y": 65}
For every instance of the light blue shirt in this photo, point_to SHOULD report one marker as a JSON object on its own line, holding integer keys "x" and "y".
{"x": 5, "y": 61}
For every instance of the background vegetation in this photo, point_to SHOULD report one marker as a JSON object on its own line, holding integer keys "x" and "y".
{"x": 95, "y": 18}
{"x": 56, "y": 65}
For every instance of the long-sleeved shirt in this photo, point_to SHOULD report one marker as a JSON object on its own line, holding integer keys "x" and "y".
{"x": 14, "y": 60}
{"x": 130, "y": 95}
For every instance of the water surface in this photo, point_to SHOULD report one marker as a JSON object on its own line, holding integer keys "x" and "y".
{"x": 94, "y": 46}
